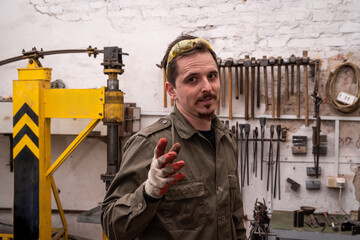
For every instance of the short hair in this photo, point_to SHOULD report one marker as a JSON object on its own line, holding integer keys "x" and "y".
{"x": 172, "y": 69}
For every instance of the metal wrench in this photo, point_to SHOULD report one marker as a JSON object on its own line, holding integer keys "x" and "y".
{"x": 255, "y": 136}
{"x": 241, "y": 136}
{"x": 246, "y": 163}
{"x": 270, "y": 162}
{"x": 262, "y": 124}
{"x": 277, "y": 163}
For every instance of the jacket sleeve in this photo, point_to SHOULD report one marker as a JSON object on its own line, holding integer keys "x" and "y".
{"x": 125, "y": 213}
{"x": 238, "y": 211}
{"x": 238, "y": 215}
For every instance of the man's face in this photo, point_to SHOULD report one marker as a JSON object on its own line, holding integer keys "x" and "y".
{"x": 197, "y": 86}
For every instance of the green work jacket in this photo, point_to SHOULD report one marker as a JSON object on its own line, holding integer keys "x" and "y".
{"x": 206, "y": 204}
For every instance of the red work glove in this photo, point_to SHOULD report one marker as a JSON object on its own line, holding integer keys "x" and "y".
{"x": 162, "y": 173}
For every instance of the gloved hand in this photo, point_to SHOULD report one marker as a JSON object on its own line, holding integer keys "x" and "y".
{"x": 162, "y": 173}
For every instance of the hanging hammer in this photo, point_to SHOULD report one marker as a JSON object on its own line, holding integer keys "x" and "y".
{"x": 305, "y": 61}
{"x": 235, "y": 64}
{"x": 223, "y": 84}
{"x": 298, "y": 62}
{"x": 258, "y": 84}
{"x": 228, "y": 63}
{"x": 264, "y": 62}
{"x": 292, "y": 62}
{"x": 240, "y": 63}
{"x": 272, "y": 63}
{"x": 218, "y": 60}
{"x": 247, "y": 64}
{"x": 279, "y": 61}
{"x": 286, "y": 62}
{"x": 253, "y": 64}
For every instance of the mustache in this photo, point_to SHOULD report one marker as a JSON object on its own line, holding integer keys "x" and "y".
{"x": 207, "y": 95}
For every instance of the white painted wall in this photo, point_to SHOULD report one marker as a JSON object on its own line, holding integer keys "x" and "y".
{"x": 328, "y": 29}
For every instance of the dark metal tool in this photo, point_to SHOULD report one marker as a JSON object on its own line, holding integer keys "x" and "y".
{"x": 305, "y": 61}
{"x": 258, "y": 84}
{"x": 292, "y": 62}
{"x": 277, "y": 163}
{"x": 264, "y": 62}
{"x": 316, "y": 131}
{"x": 272, "y": 63}
{"x": 298, "y": 62}
{"x": 293, "y": 185}
{"x": 326, "y": 218}
{"x": 253, "y": 65}
{"x": 278, "y": 92}
{"x": 228, "y": 63}
{"x": 246, "y": 162}
{"x": 286, "y": 62}
{"x": 220, "y": 77}
{"x": 241, "y": 63}
{"x": 255, "y": 136}
{"x": 223, "y": 84}
{"x": 270, "y": 161}
{"x": 247, "y": 64}
{"x": 241, "y": 135}
{"x": 236, "y": 80}
{"x": 262, "y": 125}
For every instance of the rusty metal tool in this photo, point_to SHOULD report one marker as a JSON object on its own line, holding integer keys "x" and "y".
{"x": 292, "y": 62}
{"x": 286, "y": 62}
{"x": 277, "y": 163}
{"x": 279, "y": 61}
{"x": 240, "y": 63}
{"x": 326, "y": 218}
{"x": 223, "y": 84}
{"x": 270, "y": 161}
{"x": 246, "y": 162}
{"x": 264, "y": 62}
{"x": 262, "y": 125}
{"x": 218, "y": 60}
{"x": 305, "y": 61}
{"x": 253, "y": 66}
{"x": 241, "y": 135}
{"x": 228, "y": 63}
{"x": 317, "y": 129}
{"x": 298, "y": 63}
{"x": 237, "y": 130}
{"x": 272, "y": 63}
{"x": 255, "y": 136}
{"x": 236, "y": 80}
{"x": 258, "y": 84}
{"x": 247, "y": 65}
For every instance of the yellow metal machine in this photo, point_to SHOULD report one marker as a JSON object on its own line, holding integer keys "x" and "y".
{"x": 34, "y": 104}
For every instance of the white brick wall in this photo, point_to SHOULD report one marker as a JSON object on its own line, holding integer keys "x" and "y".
{"x": 143, "y": 28}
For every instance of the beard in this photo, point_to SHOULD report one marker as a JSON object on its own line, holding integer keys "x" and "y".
{"x": 208, "y": 115}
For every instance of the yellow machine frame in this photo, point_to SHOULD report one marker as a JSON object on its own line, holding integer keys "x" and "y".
{"x": 34, "y": 104}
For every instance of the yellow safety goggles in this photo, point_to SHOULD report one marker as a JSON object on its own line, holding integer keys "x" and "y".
{"x": 184, "y": 46}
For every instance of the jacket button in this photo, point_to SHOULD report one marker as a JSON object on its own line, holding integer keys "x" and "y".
{"x": 223, "y": 217}
{"x": 140, "y": 205}
{"x": 164, "y": 121}
{"x": 220, "y": 189}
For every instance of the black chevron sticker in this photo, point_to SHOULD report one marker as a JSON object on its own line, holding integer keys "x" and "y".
{"x": 26, "y": 195}
{"x": 25, "y": 109}
{"x": 26, "y": 130}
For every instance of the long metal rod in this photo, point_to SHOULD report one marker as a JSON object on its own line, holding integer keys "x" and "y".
{"x": 72, "y": 146}
{"x": 36, "y": 54}
{"x": 61, "y": 211}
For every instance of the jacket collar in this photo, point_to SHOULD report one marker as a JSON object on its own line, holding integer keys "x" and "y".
{"x": 186, "y": 130}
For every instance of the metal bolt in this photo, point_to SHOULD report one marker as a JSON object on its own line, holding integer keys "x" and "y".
{"x": 100, "y": 114}
{"x": 101, "y": 99}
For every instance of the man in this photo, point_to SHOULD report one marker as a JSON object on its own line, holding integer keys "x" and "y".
{"x": 156, "y": 196}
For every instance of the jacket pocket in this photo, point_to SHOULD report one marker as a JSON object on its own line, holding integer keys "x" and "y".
{"x": 233, "y": 185}
{"x": 184, "y": 206}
